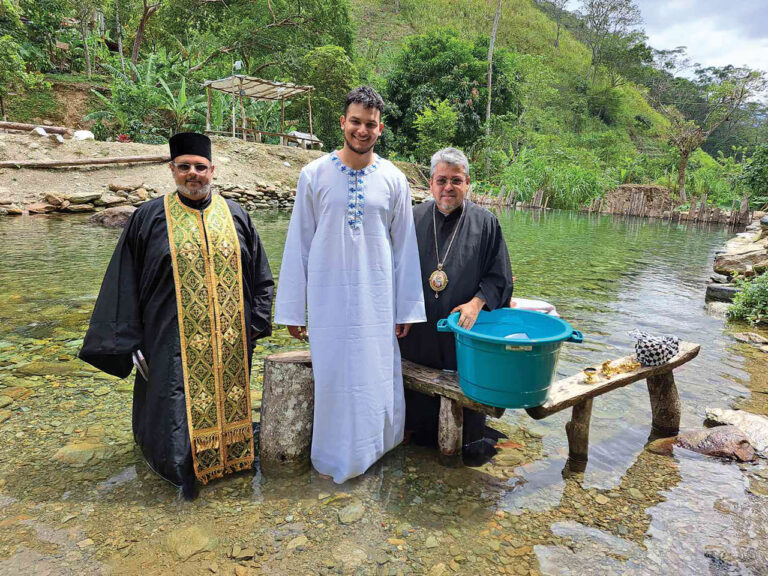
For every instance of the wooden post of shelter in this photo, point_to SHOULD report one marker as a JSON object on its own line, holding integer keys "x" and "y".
{"x": 234, "y": 97}
{"x": 208, "y": 109}
{"x": 243, "y": 119}
{"x": 282, "y": 120}
{"x": 309, "y": 106}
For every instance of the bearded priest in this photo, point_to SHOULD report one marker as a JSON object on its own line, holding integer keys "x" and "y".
{"x": 464, "y": 268}
{"x": 187, "y": 293}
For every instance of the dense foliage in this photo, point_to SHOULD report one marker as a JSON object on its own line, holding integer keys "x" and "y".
{"x": 579, "y": 101}
{"x": 751, "y": 304}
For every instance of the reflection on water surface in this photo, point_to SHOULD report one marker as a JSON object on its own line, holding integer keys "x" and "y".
{"x": 76, "y": 498}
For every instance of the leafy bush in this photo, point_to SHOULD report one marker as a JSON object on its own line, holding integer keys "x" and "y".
{"x": 436, "y": 126}
{"x": 751, "y": 304}
{"x": 564, "y": 174}
{"x": 755, "y": 177}
{"x": 134, "y": 106}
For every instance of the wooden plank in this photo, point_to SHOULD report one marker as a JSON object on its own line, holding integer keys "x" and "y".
{"x": 81, "y": 162}
{"x": 428, "y": 381}
{"x": 439, "y": 383}
{"x": 29, "y": 127}
{"x": 570, "y": 391}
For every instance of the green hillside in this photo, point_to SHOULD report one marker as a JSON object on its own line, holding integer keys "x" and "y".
{"x": 571, "y": 119}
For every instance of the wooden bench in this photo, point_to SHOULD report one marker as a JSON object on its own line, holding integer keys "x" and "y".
{"x": 288, "y": 405}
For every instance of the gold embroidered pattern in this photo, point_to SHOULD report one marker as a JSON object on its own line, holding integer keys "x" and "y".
{"x": 209, "y": 292}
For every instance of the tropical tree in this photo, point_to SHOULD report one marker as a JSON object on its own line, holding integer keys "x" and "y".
{"x": 13, "y": 76}
{"x": 603, "y": 20}
{"x": 728, "y": 90}
{"x": 180, "y": 107}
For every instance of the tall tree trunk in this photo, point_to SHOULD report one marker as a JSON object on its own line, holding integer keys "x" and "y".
{"x": 84, "y": 33}
{"x": 146, "y": 14}
{"x": 397, "y": 6}
{"x": 681, "y": 176}
{"x": 490, "y": 83}
{"x": 119, "y": 35}
{"x": 557, "y": 38}
{"x": 2, "y": 109}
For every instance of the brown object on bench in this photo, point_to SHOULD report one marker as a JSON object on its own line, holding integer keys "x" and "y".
{"x": 572, "y": 392}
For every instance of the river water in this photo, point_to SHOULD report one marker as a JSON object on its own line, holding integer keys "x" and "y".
{"x": 76, "y": 497}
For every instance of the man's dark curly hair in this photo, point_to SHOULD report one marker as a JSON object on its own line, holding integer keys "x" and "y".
{"x": 366, "y": 96}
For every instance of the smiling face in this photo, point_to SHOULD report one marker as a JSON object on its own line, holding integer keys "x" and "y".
{"x": 362, "y": 127}
{"x": 449, "y": 185}
{"x": 192, "y": 181}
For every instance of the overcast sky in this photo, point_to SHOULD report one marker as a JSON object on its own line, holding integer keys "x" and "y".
{"x": 716, "y": 32}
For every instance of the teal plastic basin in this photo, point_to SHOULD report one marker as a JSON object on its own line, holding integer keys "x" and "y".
{"x": 509, "y": 357}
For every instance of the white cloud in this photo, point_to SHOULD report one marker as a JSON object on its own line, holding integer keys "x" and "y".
{"x": 715, "y": 32}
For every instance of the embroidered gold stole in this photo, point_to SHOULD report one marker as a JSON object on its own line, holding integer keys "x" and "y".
{"x": 207, "y": 272}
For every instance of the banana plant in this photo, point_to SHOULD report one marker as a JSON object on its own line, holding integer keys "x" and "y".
{"x": 180, "y": 107}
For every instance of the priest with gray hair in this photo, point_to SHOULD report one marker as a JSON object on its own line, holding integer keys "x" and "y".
{"x": 464, "y": 268}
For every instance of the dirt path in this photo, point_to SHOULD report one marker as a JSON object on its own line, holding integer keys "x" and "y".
{"x": 237, "y": 163}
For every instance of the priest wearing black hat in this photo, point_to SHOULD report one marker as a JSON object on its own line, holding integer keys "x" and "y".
{"x": 187, "y": 293}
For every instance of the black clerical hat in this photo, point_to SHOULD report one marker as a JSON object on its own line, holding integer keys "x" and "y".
{"x": 190, "y": 143}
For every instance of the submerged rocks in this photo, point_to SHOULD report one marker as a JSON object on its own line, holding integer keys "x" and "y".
{"x": 186, "y": 542}
{"x": 722, "y": 442}
{"x": 754, "y": 427}
{"x": 114, "y": 217}
{"x": 352, "y": 512}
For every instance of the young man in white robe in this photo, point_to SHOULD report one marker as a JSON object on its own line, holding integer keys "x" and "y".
{"x": 351, "y": 262}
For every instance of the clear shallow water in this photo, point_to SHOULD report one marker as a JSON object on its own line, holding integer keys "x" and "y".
{"x": 75, "y": 497}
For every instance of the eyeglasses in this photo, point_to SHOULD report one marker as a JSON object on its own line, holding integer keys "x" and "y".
{"x": 184, "y": 167}
{"x": 454, "y": 181}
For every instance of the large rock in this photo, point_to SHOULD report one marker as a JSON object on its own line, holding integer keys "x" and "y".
{"x": 40, "y": 208}
{"x": 755, "y": 427}
{"x": 186, "y": 542}
{"x": 80, "y": 452}
{"x": 13, "y": 210}
{"x": 126, "y": 184}
{"x": 352, "y": 512}
{"x": 83, "y": 135}
{"x": 38, "y": 131}
{"x": 78, "y": 208}
{"x": 83, "y": 197}
{"x": 53, "y": 199}
{"x": 722, "y": 442}
{"x": 115, "y": 217}
{"x": 722, "y": 292}
{"x": 111, "y": 200}
{"x": 748, "y": 263}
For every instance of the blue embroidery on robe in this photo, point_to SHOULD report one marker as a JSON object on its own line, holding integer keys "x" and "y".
{"x": 355, "y": 191}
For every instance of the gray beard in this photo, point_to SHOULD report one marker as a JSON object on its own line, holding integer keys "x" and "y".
{"x": 201, "y": 194}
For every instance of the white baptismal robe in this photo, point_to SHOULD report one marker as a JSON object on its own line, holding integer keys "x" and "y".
{"x": 351, "y": 260}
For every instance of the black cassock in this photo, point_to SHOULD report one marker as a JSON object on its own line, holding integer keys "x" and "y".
{"x": 477, "y": 265}
{"x": 136, "y": 309}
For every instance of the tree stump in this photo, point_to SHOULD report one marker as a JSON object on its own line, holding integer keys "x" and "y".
{"x": 287, "y": 412}
{"x": 577, "y": 431}
{"x": 450, "y": 432}
{"x": 665, "y": 405}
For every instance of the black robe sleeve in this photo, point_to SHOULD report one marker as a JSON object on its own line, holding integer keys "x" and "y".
{"x": 263, "y": 288}
{"x": 496, "y": 280}
{"x": 115, "y": 330}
